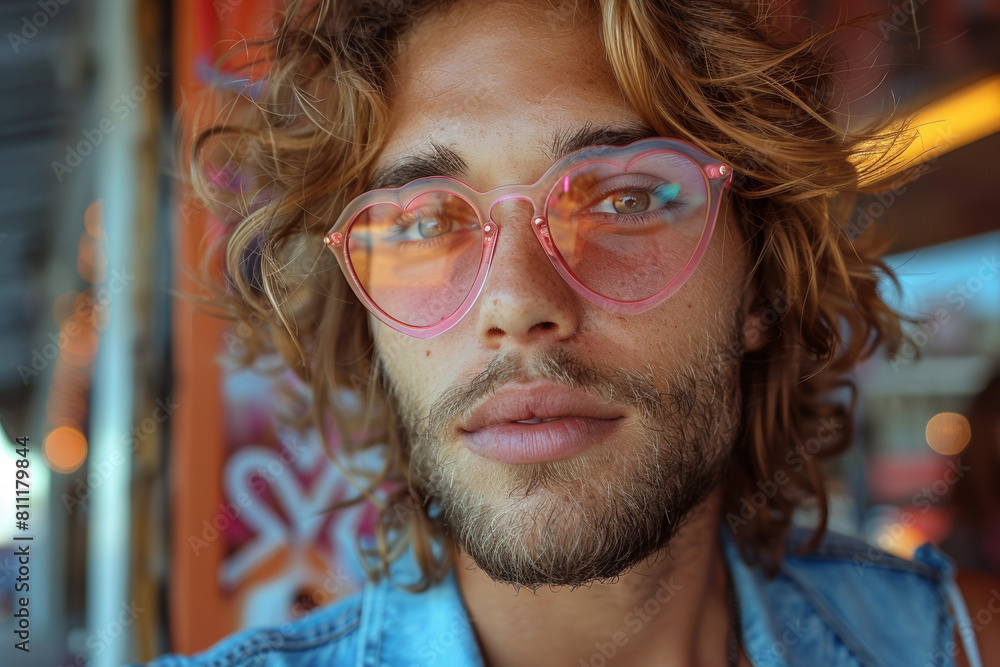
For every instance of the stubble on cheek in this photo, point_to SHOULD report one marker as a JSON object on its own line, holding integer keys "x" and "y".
{"x": 595, "y": 515}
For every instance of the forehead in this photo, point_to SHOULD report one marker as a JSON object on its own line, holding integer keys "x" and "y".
{"x": 505, "y": 76}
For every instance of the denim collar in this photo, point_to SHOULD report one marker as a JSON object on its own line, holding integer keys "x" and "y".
{"x": 842, "y": 604}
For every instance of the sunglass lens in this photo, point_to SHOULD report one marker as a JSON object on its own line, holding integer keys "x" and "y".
{"x": 627, "y": 231}
{"x": 417, "y": 263}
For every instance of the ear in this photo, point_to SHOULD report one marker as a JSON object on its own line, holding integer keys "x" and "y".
{"x": 754, "y": 334}
{"x": 756, "y": 322}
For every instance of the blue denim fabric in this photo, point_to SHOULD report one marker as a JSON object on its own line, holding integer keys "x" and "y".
{"x": 848, "y": 603}
{"x": 844, "y": 604}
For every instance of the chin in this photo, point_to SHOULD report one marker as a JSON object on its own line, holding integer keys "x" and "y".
{"x": 592, "y": 516}
{"x": 569, "y": 522}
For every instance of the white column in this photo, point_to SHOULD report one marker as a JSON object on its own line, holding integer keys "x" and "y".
{"x": 115, "y": 183}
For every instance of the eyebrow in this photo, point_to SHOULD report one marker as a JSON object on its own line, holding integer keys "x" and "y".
{"x": 442, "y": 161}
{"x": 438, "y": 161}
{"x": 567, "y": 142}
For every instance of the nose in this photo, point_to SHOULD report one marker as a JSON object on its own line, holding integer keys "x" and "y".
{"x": 524, "y": 299}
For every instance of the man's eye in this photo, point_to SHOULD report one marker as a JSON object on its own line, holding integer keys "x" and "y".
{"x": 637, "y": 201}
{"x": 427, "y": 223}
{"x": 630, "y": 202}
{"x": 434, "y": 227}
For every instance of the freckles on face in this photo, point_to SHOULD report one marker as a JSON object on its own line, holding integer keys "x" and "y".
{"x": 526, "y": 418}
{"x": 495, "y": 80}
{"x": 495, "y": 83}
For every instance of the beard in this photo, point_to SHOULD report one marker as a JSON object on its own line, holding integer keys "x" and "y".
{"x": 596, "y": 515}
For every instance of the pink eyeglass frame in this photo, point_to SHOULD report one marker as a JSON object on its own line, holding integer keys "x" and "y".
{"x": 718, "y": 177}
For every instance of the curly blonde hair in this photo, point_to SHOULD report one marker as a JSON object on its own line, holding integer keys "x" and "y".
{"x": 714, "y": 73}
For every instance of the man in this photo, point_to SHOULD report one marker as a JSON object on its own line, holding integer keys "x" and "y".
{"x": 585, "y": 259}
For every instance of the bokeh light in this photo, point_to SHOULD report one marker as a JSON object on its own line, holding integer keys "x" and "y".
{"x": 80, "y": 343}
{"x": 900, "y": 540}
{"x": 65, "y": 449}
{"x": 948, "y": 433}
{"x": 93, "y": 219}
{"x": 64, "y": 306}
{"x": 90, "y": 260}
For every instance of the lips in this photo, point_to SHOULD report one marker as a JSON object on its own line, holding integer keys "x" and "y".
{"x": 540, "y": 421}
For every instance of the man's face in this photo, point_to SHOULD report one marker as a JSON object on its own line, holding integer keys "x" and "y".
{"x": 646, "y": 405}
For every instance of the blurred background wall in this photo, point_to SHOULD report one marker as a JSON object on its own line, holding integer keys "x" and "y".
{"x": 163, "y": 501}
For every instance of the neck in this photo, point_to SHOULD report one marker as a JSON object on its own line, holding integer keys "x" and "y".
{"x": 672, "y": 609}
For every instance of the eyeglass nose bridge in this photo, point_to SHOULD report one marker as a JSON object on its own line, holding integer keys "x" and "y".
{"x": 539, "y": 225}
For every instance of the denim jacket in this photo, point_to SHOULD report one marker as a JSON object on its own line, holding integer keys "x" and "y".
{"x": 843, "y": 604}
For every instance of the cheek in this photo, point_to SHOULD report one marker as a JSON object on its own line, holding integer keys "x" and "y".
{"x": 705, "y": 308}
{"x": 718, "y": 285}
{"x": 413, "y": 366}
{"x": 396, "y": 351}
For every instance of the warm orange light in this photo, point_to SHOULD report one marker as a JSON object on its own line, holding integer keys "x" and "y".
{"x": 90, "y": 314}
{"x": 93, "y": 219}
{"x": 67, "y": 408}
{"x": 91, "y": 261}
{"x": 79, "y": 343}
{"x": 948, "y": 433}
{"x": 65, "y": 449}
{"x": 63, "y": 306}
{"x": 957, "y": 119}
{"x": 901, "y": 540}
{"x": 950, "y": 122}
{"x": 84, "y": 302}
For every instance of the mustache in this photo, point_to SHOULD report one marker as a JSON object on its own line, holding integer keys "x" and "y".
{"x": 559, "y": 366}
